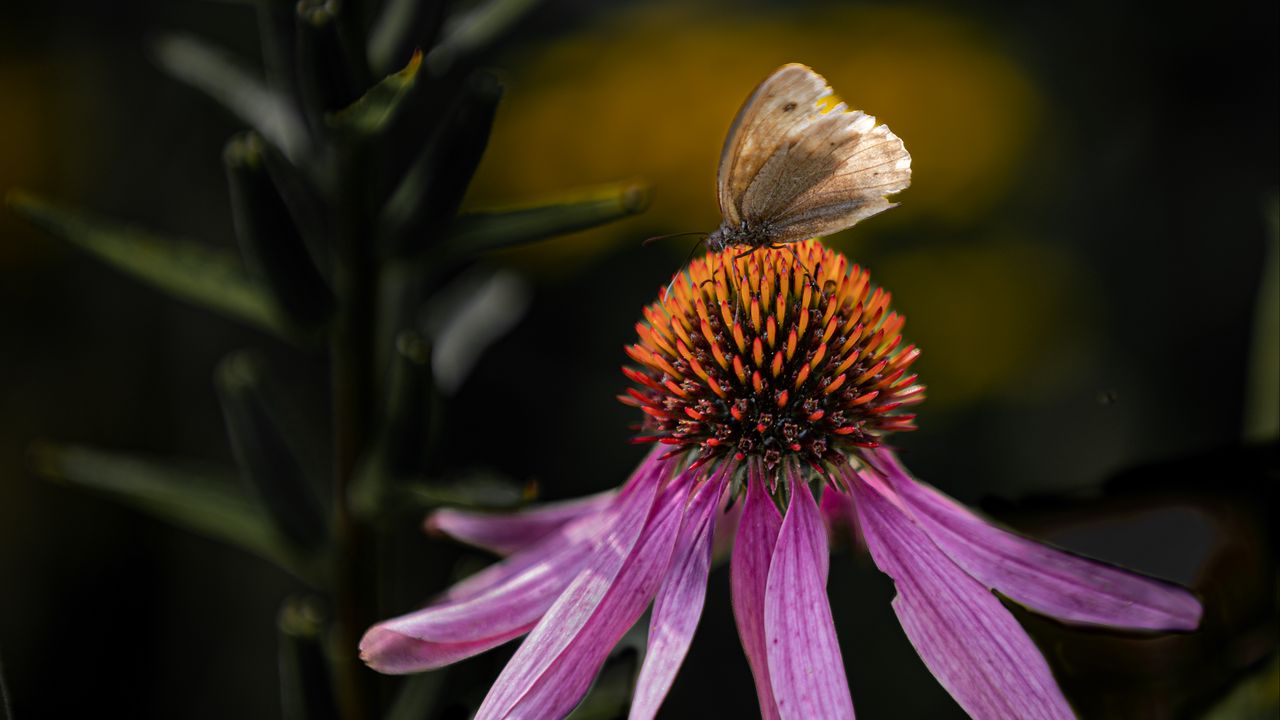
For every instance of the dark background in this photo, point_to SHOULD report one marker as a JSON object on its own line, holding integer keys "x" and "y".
{"x": 1079, "y": 258}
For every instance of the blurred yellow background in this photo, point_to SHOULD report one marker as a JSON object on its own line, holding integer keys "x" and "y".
{"x": 650, "y": 93}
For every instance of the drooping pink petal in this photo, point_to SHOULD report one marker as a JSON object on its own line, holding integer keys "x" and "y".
{"x": 396, "y": 654}
{"x": 680, "y": 599}
{"x": 567, "y": 549}
{"x": 507, "y": 599}
{"x": 444, "y": 633}
{"x": 589, "y": 528}
{"x": 555, "y": 665}
{"x": 748, "y": 573}
{"x": 506, "y": 533}
{"x": 726, "y": 530}
{"x": 1050, "y": 581}
{"x": 970, "y": 642}
{"x": 805, "y": 666}
{"x": 837, "y": 509}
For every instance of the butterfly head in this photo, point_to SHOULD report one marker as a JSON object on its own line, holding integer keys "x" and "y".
{"x": 729, "y": 235}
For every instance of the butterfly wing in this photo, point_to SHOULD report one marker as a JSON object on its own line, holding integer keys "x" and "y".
{"x": 801, "y": 163}
{"x": 773, "y": 116}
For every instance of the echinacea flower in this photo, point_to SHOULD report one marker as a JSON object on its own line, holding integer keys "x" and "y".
{"x": 769, "y": 383}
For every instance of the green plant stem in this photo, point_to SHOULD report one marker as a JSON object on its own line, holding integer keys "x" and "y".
{"x": 352, "y": 356}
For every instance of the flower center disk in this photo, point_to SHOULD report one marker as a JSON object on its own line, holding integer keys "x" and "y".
{"x": 775, "y": 353}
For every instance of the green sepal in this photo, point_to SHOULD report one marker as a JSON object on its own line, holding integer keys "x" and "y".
{"x": 430, "y": 192}
{"x": 306, "y": 688}
{"x": 410, "y": 399}
{"x": 268, "y": 463}
{"x": 207, "y": 276}
{"x": 326, "y": 74}
{"x": 205, "y": 500}
{"x": 398, "y": 449}
{"x": 272, "y": 247}
{"x": 376, "y": 109}
{"x": 236, "y": 88}
{"x": 480, "y": 232}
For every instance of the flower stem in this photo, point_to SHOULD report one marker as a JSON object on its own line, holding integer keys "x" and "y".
{"x": 352, "y": 377}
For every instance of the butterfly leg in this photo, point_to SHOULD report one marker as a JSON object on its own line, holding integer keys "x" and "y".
{"x": 813, "y": 279}
{"x": 730, "y": 269}
{"x": 666, "y": 294}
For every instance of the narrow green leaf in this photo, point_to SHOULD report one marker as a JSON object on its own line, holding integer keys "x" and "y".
{"x": 306, "y": 206}
{"x": 480, "y": 232}
{"x": 477, "y": 490}
{"x": 204, "y": 500}
{"x": 275, "y": 28}
{"x": 469, "y": 315}
{"x": 207, "y": 276}
{"x": 429, "y": 194}
{"x": 402, "y": 26}
{"x": 237, "y": 88}
{"x": 267, "y": 462}
{"x": 306, "y": 690}
{"x": 474, "y": 30}
{"x": 409, "y": 496}
{"x": 270, "y": 242}
{"x": 374, "y": 110}
{"x": 410, "y": 394}
{"x": 398, "y": 449}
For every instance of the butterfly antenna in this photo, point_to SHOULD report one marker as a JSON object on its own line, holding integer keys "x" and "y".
{"x": 692, "y": 251}
{"x": 650, "y": 240}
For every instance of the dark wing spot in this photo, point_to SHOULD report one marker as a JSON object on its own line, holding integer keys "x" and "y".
{"x": 789, "y": 107}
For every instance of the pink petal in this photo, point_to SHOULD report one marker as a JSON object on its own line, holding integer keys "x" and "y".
{"x": 506, "y": 600}
{"x": 568, "y": 548}
{"x": 555, "y": 665}
{"x": 506, "y": 533}
{"x": 395, "y": 654}
{"x": 969, "y": 641}
{"x": 748, "y": 573}
{"x": 679, "y": 603}
{"x": 590, "y": 528}
{"x": 1045, "y": 579}
{"x": 490, "y": 608}
{"x": 445, "y": 633}
{"x": 837, "y": 508}
{"x": 804, "y": 655}
{"x": 726, "y": 531}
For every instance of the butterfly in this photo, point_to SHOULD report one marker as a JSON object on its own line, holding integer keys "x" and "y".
{"x": 798, "y": 163}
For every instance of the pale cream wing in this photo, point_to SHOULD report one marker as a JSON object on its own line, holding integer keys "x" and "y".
{"x": 840, "y": 172}
{"x": 773, "y": 118}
